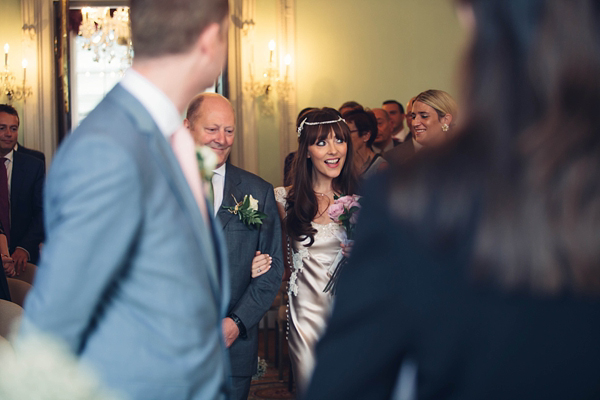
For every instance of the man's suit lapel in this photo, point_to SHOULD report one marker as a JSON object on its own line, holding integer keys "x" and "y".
{"x": 231, "y": 187}
{"x": 19, "y": 173}
{"x": 161, "y": 150}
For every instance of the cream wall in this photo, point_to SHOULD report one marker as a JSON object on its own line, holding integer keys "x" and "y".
{"x": 11, "y": 33}
{"x": 367, "y": 51}
{"x": 371, "y": 51}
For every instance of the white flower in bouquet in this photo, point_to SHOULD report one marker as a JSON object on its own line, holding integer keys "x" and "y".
{"x": 43, "y": 368}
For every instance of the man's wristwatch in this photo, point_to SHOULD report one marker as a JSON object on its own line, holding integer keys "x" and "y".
{"x": 239, "y": 324}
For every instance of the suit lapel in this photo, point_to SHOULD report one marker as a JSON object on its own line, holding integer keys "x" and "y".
{"x": 17, "y": 180}
{"x": 169, "y": 165}
{"x": 231, "y": 189}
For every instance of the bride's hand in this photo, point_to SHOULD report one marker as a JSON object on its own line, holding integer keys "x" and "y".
{"x": 9, "y": 265}
{"x": 261, "y": 263}
{"x": 347, "y": 248}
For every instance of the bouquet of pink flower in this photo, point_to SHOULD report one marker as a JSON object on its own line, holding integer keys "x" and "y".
{"x": 344, "y": 211}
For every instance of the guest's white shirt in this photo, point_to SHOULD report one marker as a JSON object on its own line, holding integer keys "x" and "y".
{"x": 402, "y": 134}
{"x": 218, "y": 183}
{"x": 159, "y": 106}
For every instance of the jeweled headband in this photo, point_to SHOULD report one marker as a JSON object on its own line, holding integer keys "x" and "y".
{"x": 317, "y": 123}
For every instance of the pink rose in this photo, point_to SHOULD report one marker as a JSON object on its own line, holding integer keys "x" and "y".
{"x": 354, "y": 218}
{"x": 354, "y": 204}
{"x": 345, "y": 201}
{"x": 335, "y": 210}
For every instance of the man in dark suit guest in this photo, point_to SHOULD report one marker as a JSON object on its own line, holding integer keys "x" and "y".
{"x": 384, "y": 140}
{"x": 37, "y": 154}
{"x": 254, "y": 251}
{"x": 24, "y": 228}
{"x": 396, "y": 112}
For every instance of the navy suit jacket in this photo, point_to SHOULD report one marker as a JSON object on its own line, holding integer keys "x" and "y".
{"x": 250, "y": 298}
{"x": 132, "y": 278}
{"x": 37, "y": 154}
{"x": 26, "y": 204}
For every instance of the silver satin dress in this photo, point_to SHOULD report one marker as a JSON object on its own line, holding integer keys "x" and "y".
{"x": 309, "y": 308}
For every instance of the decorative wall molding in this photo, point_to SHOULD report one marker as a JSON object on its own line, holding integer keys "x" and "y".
{"x": 241, "y": 57}
{"x": 39, "y": 110}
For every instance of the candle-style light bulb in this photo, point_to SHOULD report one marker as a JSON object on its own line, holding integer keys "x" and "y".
{"x": 24, "y": 65}
{"x": 287, "y": 60}
{"x": 271, "y": 50}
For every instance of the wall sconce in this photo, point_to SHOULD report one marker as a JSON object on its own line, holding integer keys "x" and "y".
{"x": 7, "y": 81}
{"x": 271, "y": 80}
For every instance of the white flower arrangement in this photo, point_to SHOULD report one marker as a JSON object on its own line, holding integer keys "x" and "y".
{"x": 43, "y": 368}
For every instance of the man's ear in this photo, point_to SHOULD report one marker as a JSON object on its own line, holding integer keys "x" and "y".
{"x": 186, "y": 123}
{"x": 210, "y": 39}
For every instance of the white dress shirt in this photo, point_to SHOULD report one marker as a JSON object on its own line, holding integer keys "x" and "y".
{"x": 218, "y": 184}
{"x": 159, "y": 106}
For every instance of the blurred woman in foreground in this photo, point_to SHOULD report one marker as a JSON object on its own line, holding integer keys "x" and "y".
{"x": 495, "y": 290}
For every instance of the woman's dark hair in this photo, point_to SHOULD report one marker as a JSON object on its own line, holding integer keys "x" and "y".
{"x": 528, "y": 158}
{"x": 366, "y": 123}
{"x": 302, "y": 203}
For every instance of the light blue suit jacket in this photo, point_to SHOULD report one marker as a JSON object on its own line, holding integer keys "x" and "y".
{"x": 131, "y": 277}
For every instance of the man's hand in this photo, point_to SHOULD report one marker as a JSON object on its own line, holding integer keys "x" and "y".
{"x": 20, "y": 258}
{"x": 230, "y": 331}
{"x": 261, "y": 263}
{"x": 9, "y": 265}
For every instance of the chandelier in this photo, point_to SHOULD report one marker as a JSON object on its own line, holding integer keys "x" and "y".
{"x": 8, "y": 84}
{"x": 103, "y": 32}
{"x": 271, "y": 81}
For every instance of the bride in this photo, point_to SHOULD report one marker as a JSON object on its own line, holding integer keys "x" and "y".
{"x": 323, "y": 168}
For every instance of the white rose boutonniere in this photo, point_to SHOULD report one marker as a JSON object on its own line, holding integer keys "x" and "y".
{"x": 247, "y": 211}
{"x": 207, "y": 161}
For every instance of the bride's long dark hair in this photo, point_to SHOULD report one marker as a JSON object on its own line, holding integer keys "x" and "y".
{"x": 302, "y": 206}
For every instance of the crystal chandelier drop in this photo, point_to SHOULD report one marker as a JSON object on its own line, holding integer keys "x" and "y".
{"x": 103, "y": 31}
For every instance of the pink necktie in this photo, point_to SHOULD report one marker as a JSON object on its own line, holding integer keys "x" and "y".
{"x": 185, "y": 150}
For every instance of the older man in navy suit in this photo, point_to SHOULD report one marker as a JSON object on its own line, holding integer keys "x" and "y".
{"x": 133, "y": 276}
{"x": 254, "y": 250}
{"x": 21, "y": 213}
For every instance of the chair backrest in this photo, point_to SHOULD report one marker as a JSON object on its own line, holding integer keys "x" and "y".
{"x": 9, "y": 314}
{"x": 18, "y": 290}
{"x": 28, "y": 274}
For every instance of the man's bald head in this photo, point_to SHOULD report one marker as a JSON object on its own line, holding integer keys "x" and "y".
{"x": 211, "y": 120}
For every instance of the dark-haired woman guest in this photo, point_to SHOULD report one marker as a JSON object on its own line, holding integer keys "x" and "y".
{"x": 323, "y": 168}
{"x": 363, "y": 131}
{"x": 494, "y": 292}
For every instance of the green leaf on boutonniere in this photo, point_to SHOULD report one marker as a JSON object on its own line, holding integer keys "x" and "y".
{"x": 247, "y": 211}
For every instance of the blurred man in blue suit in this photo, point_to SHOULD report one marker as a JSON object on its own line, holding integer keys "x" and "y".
{"x": 133, "y": 275}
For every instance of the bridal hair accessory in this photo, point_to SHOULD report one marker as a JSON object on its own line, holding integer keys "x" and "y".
{"x": 317, "y": 123}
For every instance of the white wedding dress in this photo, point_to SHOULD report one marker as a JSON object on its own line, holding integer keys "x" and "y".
{"x": 309, "y": 308}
